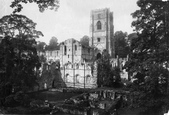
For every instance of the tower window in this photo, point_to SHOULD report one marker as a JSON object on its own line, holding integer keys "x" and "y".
{"x": 98, "y": 39}
{"x": 75, "y": 47}
{"x": 99, "y": 25}
{"x": 68, "y": 56}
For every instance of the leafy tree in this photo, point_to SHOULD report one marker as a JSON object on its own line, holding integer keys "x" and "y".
{"x": 121, "y": 45}
{"x": 41, "y": 46}
{"x": 15, "y": 25}
{"x": 150, "y": 53}
{"x": 18, "y": 55}
{"x": 42, "y": 4}
{"x": 53, "y": 44}
{"x": 42, "y": 58}
{"x": 107, "y": 76}
{"x": 84, "y": 40}
{"x": 131, "y": 37}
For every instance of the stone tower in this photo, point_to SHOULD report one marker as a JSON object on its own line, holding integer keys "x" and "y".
{"x": 102, "y": 30}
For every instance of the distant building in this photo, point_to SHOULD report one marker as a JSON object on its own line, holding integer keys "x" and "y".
{"x": 73, "y": 55}
{"x": 102, "y": 31}
{"x": 52, "y": 55}
{"x": 72, "y": 51}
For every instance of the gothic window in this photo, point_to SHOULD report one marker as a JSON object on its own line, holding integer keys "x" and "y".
{"x": 75, "y": 47}
{"x": 89, "y": 50}
{"x": 68, "y": 56}
{"x": 65, "y": 50}
{"x": 99, "y": 25}
{"x": 98, "y": 39}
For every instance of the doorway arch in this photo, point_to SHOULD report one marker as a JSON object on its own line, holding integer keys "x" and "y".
{"x": 98, "y": 56}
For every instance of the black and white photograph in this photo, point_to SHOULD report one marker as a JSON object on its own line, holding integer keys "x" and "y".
{"x": 84, "y": 57}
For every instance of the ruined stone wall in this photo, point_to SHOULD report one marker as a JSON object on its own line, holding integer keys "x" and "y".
{"x": 79, "y": 75}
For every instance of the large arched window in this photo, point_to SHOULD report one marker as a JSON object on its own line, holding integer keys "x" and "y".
{"x": 99, "y": 25}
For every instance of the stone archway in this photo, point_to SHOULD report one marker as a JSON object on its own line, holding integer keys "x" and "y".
{"x": 98, "y": 56}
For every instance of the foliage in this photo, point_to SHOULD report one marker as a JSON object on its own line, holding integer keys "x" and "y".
{"x": 18, "y": 55}
{"x": 37, "y": 103}
{"x": 149, "y": 56}
{"x": 84, "y": 40}
{"x": 15, "y": 25}
{"x": 10, "y": 102}
{"x": 42, "y": 4}
{"x": 42, "y": 58}
{"x": 53, "y": 44}
{"x": 19, "y": 98}
{"x": 107, "y": 76}
{"x": 22, "y": 99}
{"x": 131, "y": 37}
{"x": 121, "y": 45}
{"x": 41, "y": 46}
{"x": 113, "y": 79}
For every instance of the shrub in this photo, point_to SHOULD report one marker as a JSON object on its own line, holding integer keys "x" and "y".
{"x": 22, "y": 99}
{"x": 10, "y": 102}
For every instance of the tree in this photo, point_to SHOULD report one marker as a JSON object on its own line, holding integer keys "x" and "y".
{"x": 131, "y": 37}
{"x": 18, "y": 25}
{"x": 18, "y": 55}
{"x": 41, "y": 46}
{"x": 149, "y": 55}
{"x": 107, "y": 75}
{"x": 121, "y": 45}
{"x": 84, "y": 40}
{"x": 42, "y": 4}
{"x": 53, "y": 44}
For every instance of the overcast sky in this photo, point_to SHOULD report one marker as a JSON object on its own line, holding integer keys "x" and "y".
{"x": 72, "y": 20}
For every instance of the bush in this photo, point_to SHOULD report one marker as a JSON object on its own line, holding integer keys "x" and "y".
{"x": 13, "y": 111}
{"x": 10, "y": 102}
{"x": 17, "y": 99}
{"x": 37, "y": 103}
{"x": 22, "y": 99}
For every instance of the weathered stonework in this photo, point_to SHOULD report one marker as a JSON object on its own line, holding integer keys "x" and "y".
{"x": 102, "y": 30}
{"x": 80, "y": 75}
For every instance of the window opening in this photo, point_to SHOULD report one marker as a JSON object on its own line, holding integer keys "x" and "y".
{"x": 99, "y": 25}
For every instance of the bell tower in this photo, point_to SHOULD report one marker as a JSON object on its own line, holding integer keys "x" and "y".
{"x": 102, "y": 30}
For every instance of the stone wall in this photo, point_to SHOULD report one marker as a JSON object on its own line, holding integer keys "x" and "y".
{"x": 80, "y": 75}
